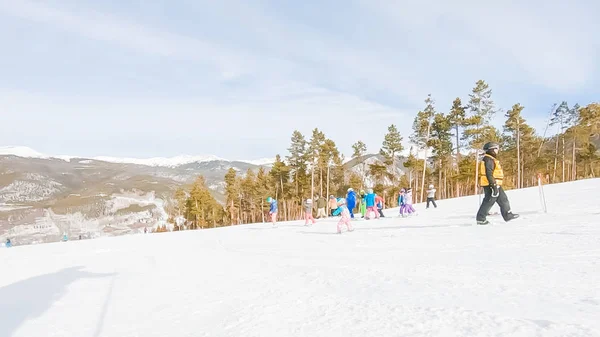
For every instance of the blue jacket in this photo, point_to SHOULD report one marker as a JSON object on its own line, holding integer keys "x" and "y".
{"x": 401, "y": 200}
{"x": 273, "y": 208}
{"x": 370, "y": 199}
{"x": 351, "y": 199}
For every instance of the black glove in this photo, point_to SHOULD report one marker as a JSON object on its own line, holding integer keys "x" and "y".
{"x": 495, "y": 191}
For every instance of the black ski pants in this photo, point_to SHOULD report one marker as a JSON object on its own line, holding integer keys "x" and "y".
{"x": 489, "y": 201}
{"x": 431, "y": 200}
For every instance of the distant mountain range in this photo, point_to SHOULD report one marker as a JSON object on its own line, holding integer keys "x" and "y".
{"x": 26, "y": 152}
{"x": 44, "y": 196}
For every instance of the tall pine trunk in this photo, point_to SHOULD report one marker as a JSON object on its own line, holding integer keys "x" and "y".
{"x": 563, "y": 158}
{"x": 519, "y": 184}
{"x": 555, "y": 160}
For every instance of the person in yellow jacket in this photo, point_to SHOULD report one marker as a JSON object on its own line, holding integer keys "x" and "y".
{"x": 491, "y": 176}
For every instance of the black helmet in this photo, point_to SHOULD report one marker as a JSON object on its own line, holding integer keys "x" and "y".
{"x": 490, "y": 145}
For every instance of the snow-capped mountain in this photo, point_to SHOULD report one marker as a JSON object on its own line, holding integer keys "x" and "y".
{"x": 26, "y": 152}
{"x": 41, "y": 194}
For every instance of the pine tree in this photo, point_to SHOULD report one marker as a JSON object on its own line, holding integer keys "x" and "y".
{"x": 481, "y": 107}
{"x": 513, "y": 125}
{"x": 203, "y": 207}
{"x": 359, "y": 149}
{"x": 263, "y": 187}
{"x": 280, "y": 175}
{"x": 232, "y": 194}
{"x": 391, "y": 148}
{"x": 298, "y": 163}
{"x": 422, "y": 132}
{"x": 456, "y": 118}
{"x": 180, "y": 198}
{"x": 441, "y": 145}
{"x": 317, "y": 160}
{"x": 478, "y": 129}
{"x": 564, "y": 118}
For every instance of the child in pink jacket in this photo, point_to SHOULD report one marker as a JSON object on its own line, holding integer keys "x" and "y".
{"x": 345, "y": 220}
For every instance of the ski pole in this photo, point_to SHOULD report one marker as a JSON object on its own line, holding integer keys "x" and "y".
{"x": 541, "y": 191}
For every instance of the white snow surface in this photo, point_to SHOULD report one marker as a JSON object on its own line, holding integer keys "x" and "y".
{"x": 435, "y": 274}
{"x": 26, "y": 152}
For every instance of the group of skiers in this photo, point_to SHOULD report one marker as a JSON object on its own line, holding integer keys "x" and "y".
{"x": 490, "y": 178}
{"x": 367, "y": 202}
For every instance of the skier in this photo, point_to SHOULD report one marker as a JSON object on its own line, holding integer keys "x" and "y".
{"x": 363, "y": 203}
{"x": 409, "y": 202}
{"x": 333, "y": 205}
{"x": 351, "y": 201}
{"x": 370, "y": 199}
{"x": 379, "y": 204}
{"x": 321, "y": 204}
{"x": 308, "y": 216}
{"x": 405, "y": 202}
{"x": 8, "y": 243}
{"x": 491, "y": 176}
{"x": 345, "y": 220}
{"x": 431, "y": 196}
{"x": 273, "y": 210}
{"x": 401, "y": 199}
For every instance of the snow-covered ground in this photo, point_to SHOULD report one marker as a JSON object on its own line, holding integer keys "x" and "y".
{"x": 435, "y": 274}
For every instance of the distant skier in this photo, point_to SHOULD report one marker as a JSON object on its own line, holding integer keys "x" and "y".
{"x": 363, "y": 203}
{"x": 333, "y": 205}
{"x": 491, "y": 176}
{"x": 431, "y": 196}
{"x": 308, "y": 216}
{"x": 345, "y": 213}
{"x": 321, "y": 204}
{"x": 273, "y": 210}
{"x": 8, "y": 243}
{"x": 351, "y": 201}
{"x": 379, "y": 205}
{"x": 370, "y": 199}
{"x": 405, "y": 202}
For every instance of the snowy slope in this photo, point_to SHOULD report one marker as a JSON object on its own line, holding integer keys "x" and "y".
{"x": 431, "y": 275}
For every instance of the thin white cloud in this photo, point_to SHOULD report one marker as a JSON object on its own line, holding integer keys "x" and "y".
{"x": 556, "y": 44}
{"x": 296, "y": 75}
{"x": 127, "y": 34}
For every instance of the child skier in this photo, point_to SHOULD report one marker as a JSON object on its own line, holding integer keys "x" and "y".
{"x": 379, "y": 204}
{"x": 308, "y": 216}
{"x": 370, "y": 198}
{"x": 431, "y": 196}
{"x": 409, "y": 203}
{"x": 351, "y": 201}
{"x": 363, "y": 203}
{"x": 273, "y": 210}
{"x": 333, "y": 205}
{"x": 345, "y": 220}
{"x": 405, "y": 203}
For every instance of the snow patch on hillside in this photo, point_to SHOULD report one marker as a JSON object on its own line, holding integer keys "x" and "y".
{"x": 35, "y": 189}
{"x": 11, "y": 207}
{"x": 162, "y": 161}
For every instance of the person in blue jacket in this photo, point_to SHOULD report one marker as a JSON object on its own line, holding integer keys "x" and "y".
{"x": 351, "y": 201}
{"x": 370, "y": 198}
{"x": 273, "y": 210}
{"x": 8, "y": 243}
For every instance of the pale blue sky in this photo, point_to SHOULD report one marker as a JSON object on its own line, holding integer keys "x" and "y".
{"x": 234, "y": 78}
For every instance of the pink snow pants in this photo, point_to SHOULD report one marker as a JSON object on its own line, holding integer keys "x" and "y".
{"x": 309, "y": 217}
{"x": 274, "y": 217}
{"x": 374, "y": 210}
{"x": 345, "y": 220}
